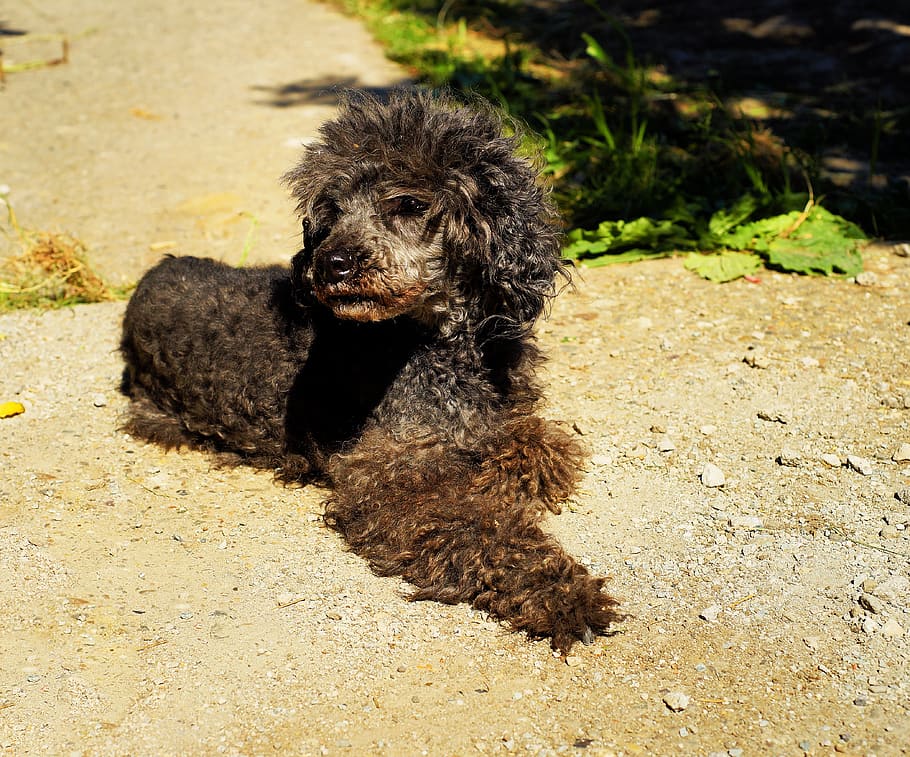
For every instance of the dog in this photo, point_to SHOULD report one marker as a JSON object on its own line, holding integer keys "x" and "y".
{"x": 393, "y": 360}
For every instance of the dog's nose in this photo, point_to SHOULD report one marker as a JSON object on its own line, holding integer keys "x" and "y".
{"x": 337, "y": 266}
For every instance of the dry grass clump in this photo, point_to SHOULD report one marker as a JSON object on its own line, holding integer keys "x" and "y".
{"x": 51, "y": 271}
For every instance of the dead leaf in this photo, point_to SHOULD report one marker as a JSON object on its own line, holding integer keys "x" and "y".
{"x": 9, "y": 409}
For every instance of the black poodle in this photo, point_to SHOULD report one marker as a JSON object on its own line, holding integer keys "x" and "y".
{"x": 394, "y": 360}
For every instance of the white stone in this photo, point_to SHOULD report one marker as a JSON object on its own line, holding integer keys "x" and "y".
{"x": 665, "y": 444}
{"x": 893, "y": 589}
{"x": 750, "y": 522}
{"x": 860, "y": 464}
{"x": 892, "y": 629}
{"x": 756, "y": 358}
{"x": 712, "y": 476}
{"x": 710, "y": 613}
{"x": 677, "y": 701}
{"x": 789, "y": 457}
{"x": 866, "y": 279}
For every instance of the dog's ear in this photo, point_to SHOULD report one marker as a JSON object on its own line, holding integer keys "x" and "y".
{"x": 505, "y": 233}
{"x": 299, "y": 282}
{"x": 302, "y": 262}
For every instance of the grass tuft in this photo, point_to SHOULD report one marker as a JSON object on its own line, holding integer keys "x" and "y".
{"x": 49, "y": 272}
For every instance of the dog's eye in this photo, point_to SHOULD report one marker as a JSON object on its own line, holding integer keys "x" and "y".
{"x": 405, "y": 205}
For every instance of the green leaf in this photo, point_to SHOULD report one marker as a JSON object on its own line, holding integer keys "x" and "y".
{"x": 823, "y": 243}
{"x": 723, "y": 266}
{"x": 626, "y": 256}
{"x": 836, "y": 256}
{"x": 595, "y": 50}
{"x": 642, "y": 237}
{"x": 727, "y": 218}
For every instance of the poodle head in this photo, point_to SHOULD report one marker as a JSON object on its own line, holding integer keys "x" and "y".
{"x": 420, "y": 206}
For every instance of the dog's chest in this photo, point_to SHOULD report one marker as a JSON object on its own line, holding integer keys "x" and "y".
{"x": 348, "y": 372}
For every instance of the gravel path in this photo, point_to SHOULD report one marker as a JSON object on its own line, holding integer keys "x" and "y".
{"x": 748, "y": 490}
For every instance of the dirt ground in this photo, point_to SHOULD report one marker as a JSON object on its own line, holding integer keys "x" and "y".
{"x": 152, "y": 604}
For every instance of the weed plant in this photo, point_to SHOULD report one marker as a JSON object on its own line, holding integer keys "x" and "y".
{"x": 642, "y": 165}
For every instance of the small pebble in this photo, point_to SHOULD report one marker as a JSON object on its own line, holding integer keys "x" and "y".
{"x": 677, "y": 701}
{"x": 712, "y": 476}
{"x": 903, "y": 495}
{"x": 573, "y": 661}
{"x": 832, "y": 461}
{"x": 869, "y": 626}
{"x": 789, "y": 457}
{"x": 710, "y": 613}
{"x": 665, "y": 444}
{"x": 750, "y": 522}
{"x": 902, "y": 455}
{"x": 756, "y": 358}
{"x": 805, "y": 745}
{"x": 892, "y": 589}
{"x": 890, "y": 532}
{"x": 638, "y": 452}
{"x": 99, "y": 400}
{"x": 333, "y": 615}
{"x": 866, "y": 279}
{"x": 707, "y": 429}
{"x": 872, "y": 603}
{"x": 861, "y": 701}
{"x": 860, "y": 464}
{"x": 892, "y": 629}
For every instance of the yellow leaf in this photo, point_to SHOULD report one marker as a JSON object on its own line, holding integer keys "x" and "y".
{"x": 9, "y": 409}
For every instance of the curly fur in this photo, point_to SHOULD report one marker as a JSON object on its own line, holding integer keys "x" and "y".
{"x": 393, "y": 360}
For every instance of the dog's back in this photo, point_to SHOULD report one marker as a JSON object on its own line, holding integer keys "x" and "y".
{"x": 193, "y": 334}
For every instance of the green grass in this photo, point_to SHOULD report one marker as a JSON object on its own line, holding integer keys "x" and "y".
{"x": 641, "y": 165}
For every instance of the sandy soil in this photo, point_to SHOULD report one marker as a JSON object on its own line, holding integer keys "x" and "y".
{"x": 151, "y": 604}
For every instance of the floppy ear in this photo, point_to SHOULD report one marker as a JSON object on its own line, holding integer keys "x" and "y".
{"x": 308, "y": 181}
{"x": 302, "y": 262}
{"x": 506, "y": 235}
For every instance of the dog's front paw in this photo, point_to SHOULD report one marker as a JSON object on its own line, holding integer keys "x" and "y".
{"x": 568, "y": 611}
{"x": 553, "y": 597}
